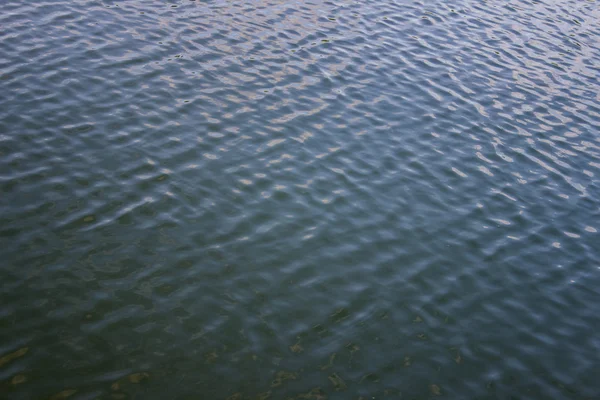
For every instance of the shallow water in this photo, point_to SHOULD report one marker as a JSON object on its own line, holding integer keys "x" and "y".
{"x": 299, "y": 200}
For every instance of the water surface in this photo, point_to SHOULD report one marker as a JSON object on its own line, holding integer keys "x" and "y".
{"x": 299, "y": 200}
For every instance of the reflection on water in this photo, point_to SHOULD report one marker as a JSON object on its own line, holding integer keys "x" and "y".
{"x": 254, "y": 200}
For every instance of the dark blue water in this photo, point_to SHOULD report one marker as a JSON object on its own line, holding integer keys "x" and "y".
{"x": 299, "y": 200}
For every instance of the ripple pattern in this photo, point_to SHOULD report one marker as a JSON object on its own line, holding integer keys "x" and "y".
{"x": 299, "y": 200}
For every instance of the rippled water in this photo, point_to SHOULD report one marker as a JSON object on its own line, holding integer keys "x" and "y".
{"x": 299, "y": 200}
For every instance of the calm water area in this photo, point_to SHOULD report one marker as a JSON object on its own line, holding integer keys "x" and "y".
{"x": 251, "y": 200}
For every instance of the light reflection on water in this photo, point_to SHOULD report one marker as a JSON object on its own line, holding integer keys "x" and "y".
{"x": 252, "y": 200}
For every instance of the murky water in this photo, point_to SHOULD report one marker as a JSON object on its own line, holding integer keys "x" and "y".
{"x": 299, "y": 200}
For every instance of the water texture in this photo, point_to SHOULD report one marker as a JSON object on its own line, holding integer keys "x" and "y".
{"x": 299, "y": 200}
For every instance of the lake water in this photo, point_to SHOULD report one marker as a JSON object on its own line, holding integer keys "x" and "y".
{"x": 299, "y": 200}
